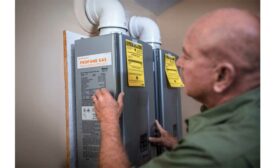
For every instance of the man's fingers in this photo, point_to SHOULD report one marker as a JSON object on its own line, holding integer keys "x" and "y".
{"x": 101, "y": 93}
{"x": 161, "y": 130}
{"x": 94, "y": 99}
{"x": 95, "y": 103}
{"x": 98, "y": 94}
{"x": 155, "y": 140}
{"x": 104, "y": 91}
{"x": 120, "y": 100}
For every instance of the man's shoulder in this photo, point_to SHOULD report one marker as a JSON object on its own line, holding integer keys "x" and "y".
{"x": 225, "y": 144}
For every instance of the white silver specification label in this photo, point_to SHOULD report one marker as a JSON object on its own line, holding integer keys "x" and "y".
{"x": 90, "y": 82}
{"x": 88, "y": 113}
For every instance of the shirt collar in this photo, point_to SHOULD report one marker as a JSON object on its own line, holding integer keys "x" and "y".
{"x": 222, "y": 112}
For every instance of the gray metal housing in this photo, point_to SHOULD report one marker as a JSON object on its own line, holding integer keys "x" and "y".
{"x": 138, "y": 114}
{"x": 168, "y": 99}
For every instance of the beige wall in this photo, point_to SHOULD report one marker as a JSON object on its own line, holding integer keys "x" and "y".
{"x": 40, "y": 96}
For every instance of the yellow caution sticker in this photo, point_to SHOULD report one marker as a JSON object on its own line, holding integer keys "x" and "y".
{"x": 135, "y": 67}
{"x": 172, "y": 71}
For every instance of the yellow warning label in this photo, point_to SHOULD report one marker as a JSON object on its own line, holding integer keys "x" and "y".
{"x": 172, "y": 71}
{"x": 135, "y": 68}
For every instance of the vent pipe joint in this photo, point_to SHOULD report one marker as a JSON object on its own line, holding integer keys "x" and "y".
{"x": 146, "y": 30}
{"x": 108, "y": 15}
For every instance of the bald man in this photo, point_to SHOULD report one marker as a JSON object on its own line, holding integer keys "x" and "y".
{"x": 221, "y": 69}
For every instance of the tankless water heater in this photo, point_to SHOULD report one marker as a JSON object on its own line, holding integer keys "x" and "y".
{"x": 168, "y": 93}
{"x": 119, "y": 63}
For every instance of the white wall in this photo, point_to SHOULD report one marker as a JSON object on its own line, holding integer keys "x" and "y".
{"x": 40, "y": 96}
{"x": 40, "y": 92}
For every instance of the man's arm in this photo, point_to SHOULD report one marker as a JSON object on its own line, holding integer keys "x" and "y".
{"x": 108, "y": 110}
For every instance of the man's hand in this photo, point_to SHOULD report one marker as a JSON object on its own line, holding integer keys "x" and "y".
{"x": 165, "y": 139}
{"x": 107, "y": 109}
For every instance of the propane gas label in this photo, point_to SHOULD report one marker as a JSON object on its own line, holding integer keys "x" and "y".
{"x": 172, "y": 71}
{"x": 135, "y": 67}
{"x": 96, "y": 60}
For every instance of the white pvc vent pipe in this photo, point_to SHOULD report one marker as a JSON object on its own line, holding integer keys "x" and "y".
{"x": 146, "y": 30}
{"x": 108, "y": 15}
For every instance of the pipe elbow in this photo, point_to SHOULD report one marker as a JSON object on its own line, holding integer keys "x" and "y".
{"x": 113, "y": 16}
{"x": 146, "y": 30}
{"x": 108, "y": 15}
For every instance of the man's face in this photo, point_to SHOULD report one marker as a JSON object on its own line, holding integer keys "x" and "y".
{"x": 197, "y": 72}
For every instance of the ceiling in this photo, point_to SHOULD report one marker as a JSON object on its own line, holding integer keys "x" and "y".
{"x": 157, "y": 6}
{"x": 150, "y": 8}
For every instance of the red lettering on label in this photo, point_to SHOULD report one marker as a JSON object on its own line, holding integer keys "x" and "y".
{"x": 102, "y": 60}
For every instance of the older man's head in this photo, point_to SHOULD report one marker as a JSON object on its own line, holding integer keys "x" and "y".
{"x": 221, "y": 56}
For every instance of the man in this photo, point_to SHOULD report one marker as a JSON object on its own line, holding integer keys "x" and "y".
{"x": 221, "y": 69}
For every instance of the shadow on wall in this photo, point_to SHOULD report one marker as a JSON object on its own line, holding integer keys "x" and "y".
{"x": 157, "y": 9}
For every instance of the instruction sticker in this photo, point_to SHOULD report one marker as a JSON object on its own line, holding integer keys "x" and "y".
{"x": 135, "y": 67}
{"x": 172, "y": 71}
{"x": 88, "y": 113}
{"x": 96, "y": 60}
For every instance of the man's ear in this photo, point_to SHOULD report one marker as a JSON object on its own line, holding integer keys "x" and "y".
{"x": 225, "y": 76}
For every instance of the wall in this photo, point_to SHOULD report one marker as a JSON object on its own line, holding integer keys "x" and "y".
{"x": 40, "y": 94}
